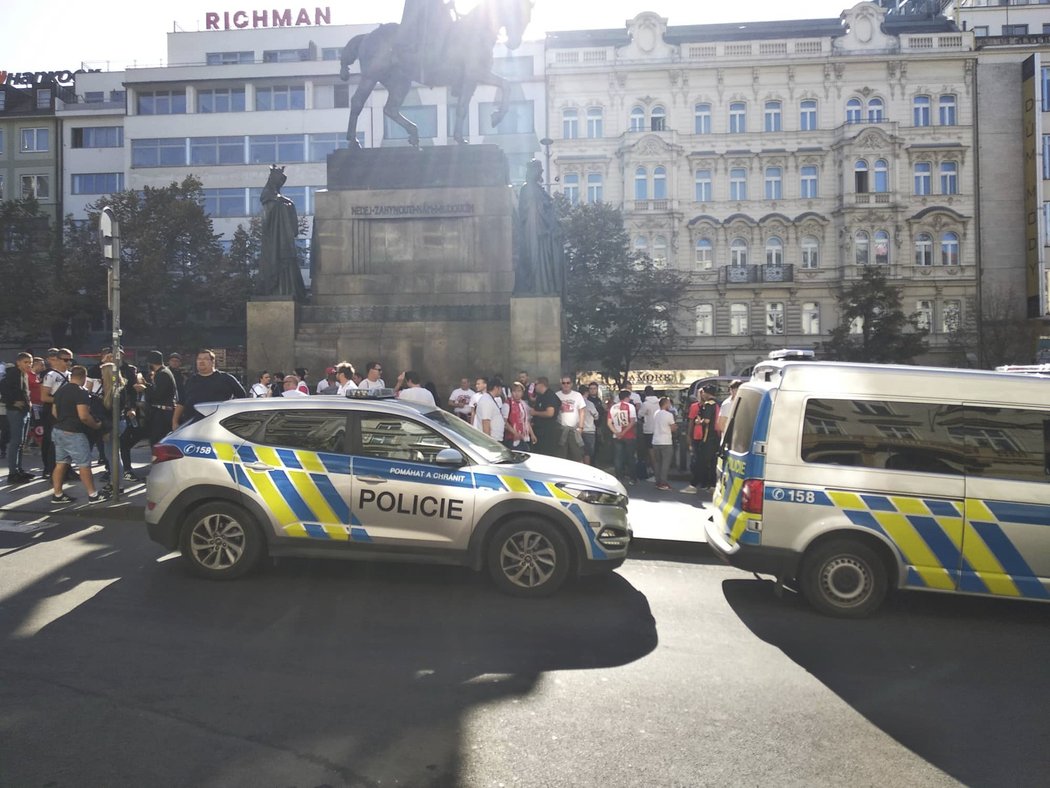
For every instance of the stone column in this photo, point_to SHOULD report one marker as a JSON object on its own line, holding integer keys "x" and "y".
{"x": 535, "y": 336}
{"x": 272, "y": 324}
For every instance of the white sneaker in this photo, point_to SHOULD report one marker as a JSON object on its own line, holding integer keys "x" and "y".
{"x": 689, "y": 489}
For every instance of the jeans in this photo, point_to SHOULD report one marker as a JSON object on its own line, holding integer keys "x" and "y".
{"x": 623, "y": 458}
{"x": 662, "y": 462}
{"x": 16, "y": 423}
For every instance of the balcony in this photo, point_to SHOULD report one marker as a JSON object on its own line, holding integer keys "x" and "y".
{"x": 651, "y": 206}
{"x": 756, "y": 274}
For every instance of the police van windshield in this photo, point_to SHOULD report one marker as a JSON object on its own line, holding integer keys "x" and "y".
{"x": 493, "y": 451}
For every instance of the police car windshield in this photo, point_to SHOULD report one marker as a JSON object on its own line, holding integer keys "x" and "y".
{"x": 493, "y": 451}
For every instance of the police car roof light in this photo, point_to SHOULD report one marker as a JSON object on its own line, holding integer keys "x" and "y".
{"x": 371, "y": 394}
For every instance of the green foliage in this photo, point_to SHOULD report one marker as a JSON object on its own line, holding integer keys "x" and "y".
{"x": 619, "y": 306}
{"x": 887, "y": 336}
{"x": 27, "y": 243}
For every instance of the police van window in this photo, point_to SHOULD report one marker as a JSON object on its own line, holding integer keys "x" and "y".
{"x": 391, "y": 437}
{"x": 885, "y": 435}
{"x": 313, "y": 430}
{"x": 1006, "y": 443}
{"x": 742, "y": 427}
{"x": 246, "y": 425}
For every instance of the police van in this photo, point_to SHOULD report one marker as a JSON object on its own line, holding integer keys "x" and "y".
{"x": 848, "y": 480}
{"x": 382, "y": 479}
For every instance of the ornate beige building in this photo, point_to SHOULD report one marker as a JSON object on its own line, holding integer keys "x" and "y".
{"x": 772, "y": 161}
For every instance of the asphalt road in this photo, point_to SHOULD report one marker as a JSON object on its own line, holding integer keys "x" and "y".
{"x": 119, "y": 669}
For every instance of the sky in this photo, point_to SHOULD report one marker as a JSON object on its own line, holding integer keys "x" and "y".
{"x": 54, "y": 35}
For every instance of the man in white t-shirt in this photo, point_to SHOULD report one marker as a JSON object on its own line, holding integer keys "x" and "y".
{"x": 488, "y": 416}
{"x": 663, "y": 449}
{"x": 291, "y": 387}
{"x": 650, "y": 404}
{"x": 261, "y": 388}
{"x": 459, "y": 399}
{"x": 410, "y": 390}
{"x": 570, "y": 421}
{"x": 372, "y": 379}
{"x": 726, "y": 408}
{"x": 344, "y": 377}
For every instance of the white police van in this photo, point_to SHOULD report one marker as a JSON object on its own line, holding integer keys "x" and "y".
{"x": 847, "y": 480}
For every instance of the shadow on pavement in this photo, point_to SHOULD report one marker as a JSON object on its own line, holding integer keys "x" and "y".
{"x": 310, "y": 673}
{"x": 959, "y": 681}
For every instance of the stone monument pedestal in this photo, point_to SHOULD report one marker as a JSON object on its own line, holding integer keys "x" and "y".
{"x": 272, "y": 324}
{"x": 535, "y": 336}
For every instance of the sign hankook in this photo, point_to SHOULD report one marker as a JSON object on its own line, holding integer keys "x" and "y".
{"x": 28, "y": 79}
{"x": 240, "y": 20}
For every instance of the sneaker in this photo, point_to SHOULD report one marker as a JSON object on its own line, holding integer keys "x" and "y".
{"x": 62, "y": 499}
{"x": 98, "y": 497}
{"x": 689, "y": 490}
{"x": 130, "y": 477}
{"x": 662, "y": 486}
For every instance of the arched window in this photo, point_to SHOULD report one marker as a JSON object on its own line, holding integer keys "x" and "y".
{"x": 738, "y": 184}
{"x": 703, "y": 186}
{"x": 810, "y": 317}
{"x": 808, "y": 183}
{"x": 738, "y": 322}
{"x": 860, "y": 176}
{"x": 949, "y": 177}
{"x": 923, "y": 177}
{"x": 641, "y": 184}
{"x": 702, "y": 119}
{"x": 876, "y": 109}
{"x": 810, "y": 252}
{"x": 594, "y": 187}
{"x": 882, "y": 176}
{"x": 774, "y": 183}
{"x": 658, "y": 118}
{"x": 853, "y": 110}
{"x": 637, "y": 119}
{"x": 946, "y": 109}
{"x": 807, "y": 115}
{"x": 772, "y": 116}
{"x": 660, "y": 251}
{"x": 594, "y": 122}
{"x": 774, "y": 251}
{"x": 570, "y": 124}
{"x": 738, "y": 252}
{"x": 920, "y": 111}
{"x": 704, "y": 254}
{"x": 641, "y": 244}
{"x": 924, "y": 249}
{"x": 570, "y": 187}
{"x": 660, "y": 183}
{"x": 949, "y": 249}
{"x": 737, "y": 117}
{"x": 775, "y": 318}
{"x": 705, "y": 323}
{"x": 862, "y": 247}
{"x": 882, "y": 247}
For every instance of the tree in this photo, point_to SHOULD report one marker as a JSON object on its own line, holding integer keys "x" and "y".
{"x": 886, "y": 334}
{"x": 619, "y": 306}
{"x": 27, "y": 258}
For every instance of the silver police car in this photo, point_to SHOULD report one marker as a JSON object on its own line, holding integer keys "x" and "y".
{"x": 377, "y": 478}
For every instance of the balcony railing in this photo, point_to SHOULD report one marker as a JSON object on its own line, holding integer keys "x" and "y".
{"x": 752, "y": 274}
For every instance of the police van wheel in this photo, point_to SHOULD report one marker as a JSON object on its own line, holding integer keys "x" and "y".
{"x": 528, "y": 557}
{"x": 221, "y": 541}
{"x": 844, "y": 578}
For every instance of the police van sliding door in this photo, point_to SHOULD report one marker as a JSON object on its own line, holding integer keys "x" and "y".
{"x": 401, "y": 496}
{"x": 1006, "y": 541}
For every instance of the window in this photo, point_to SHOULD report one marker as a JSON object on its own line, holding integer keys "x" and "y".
{"x": 703, "y": 186}
{"x": 810, "y": 252}
{"x": 738, "y": 320}
{"x": 94, "y": 96}
{"x": 570, "y": 187}
{"x": 924, "y": 315}
{"x": 268, "y": 148}
{"x": 772, "y": 116}
{"x": 704, "y": 254}
{"x": 775, "y": 318}
{"x": 1015, "y": 30}
{"x": 36, "y": 186}
{"x": 286, "y": 55}
{"x": 774, "y": 251}
{"x": 658, "y": 119}
{"x": 882, "y": 247}
{"x": 811, "y": 318}
{"x": 737, "y": 117}
{"x": 882, "y": 176}
{"x": 876, "y": 110}
{"x": 949, "y": 177}
{"x": 224, "y": 202}
{"x": 98, "y": 183}
{"x": 323, "y": 144}
{"x": 923, "y": 177}
{"x": 280, "y": 97}
{"x": 947, "y": 110}
{"x": 220, "y": 100}
{"x": 738, "y": 252}
{"x": 853, "y": 110}
{"x": 570, "y": 124}
{"x": 118, "y": 96}
{"x": 98, "y": 137}
{"x": 808, "y": 182}
{"x": 860, "y": 176}
{"x": 594, "y": 187}
{"x": 1045, "y": 85}
{"x": 702, "y": 119}
{"x": 660, "y": 251}
{"x": 738, "y": 184}
{"x": 637, "y": 119}
{"x": 518, "y": 119}
{"x": 161, "y": 102}
{"x": 229, "y": 58}
{"x": 862, "y": 248}
{"x": 949, "y": 249}
{"x": 595, "y": 122}
{"x": 924, "y": 249}
{"x": 641, "y": 245}
{"x": 641, "y": 184}
{"x": 920, "y": 111}
{"x": 705, "y": 323}
{"x": 660, "y": 183}
{"x": 217, "y": 150}
{"x": 1046, "y": 157}
{"x": 807, "y": 115}
{"x": 43, "y": 98}
{"x": 424, "y": 116}
{"x": 1007, "y": 443}
{"x": 160, "y": 152}
{"x": 774, "y": 183}
{"x": 980, "y": 30}
{"x": 951, "y": 316}
{"x": 3, "y": 101}
{"x": 35, "y": 140}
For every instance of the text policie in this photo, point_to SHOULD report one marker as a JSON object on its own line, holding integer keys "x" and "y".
{"x": 426, "y": 505}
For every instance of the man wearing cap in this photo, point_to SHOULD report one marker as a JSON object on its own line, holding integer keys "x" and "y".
{"x": 161, "y": 393}
{"x": 703, "y": 416}
{"x": 328, "y": 384}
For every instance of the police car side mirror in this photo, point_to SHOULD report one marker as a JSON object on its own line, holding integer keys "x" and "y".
{"x": 450, "y": 457}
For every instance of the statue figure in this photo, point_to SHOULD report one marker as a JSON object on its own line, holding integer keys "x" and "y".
{"x": 279, "y": 262}
{"x": 540, "y": 249}
{"x": 423, "y": 35}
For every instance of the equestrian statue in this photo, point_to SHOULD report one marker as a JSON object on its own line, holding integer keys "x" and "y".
{"x": 432, "y": 48}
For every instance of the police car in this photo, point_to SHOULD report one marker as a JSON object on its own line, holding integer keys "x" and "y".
{"x": 377, "y": 478}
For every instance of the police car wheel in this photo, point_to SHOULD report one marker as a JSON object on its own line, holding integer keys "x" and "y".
{"x": 221, "y": 541}
{"x": 844, "y": 578}
{"x": 528, "y": 557}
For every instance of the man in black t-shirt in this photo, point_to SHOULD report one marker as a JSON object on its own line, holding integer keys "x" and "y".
{"x": 545, "y": 417}
{"x": 72, "y": 411}
{"x": 161, "y": 393}
{"x": 208, "y": 385}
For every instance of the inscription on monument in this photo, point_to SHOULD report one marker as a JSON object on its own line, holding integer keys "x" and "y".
{"x": 423, "y": 209}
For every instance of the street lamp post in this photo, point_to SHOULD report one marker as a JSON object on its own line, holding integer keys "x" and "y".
{"x": 109, "y": 237}
{"x": 546, "y": 142}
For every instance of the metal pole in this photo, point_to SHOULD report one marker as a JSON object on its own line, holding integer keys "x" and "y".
{"x": 109, "y": 236}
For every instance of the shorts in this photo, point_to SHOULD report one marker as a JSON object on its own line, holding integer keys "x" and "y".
{"x": 71, "y": 447}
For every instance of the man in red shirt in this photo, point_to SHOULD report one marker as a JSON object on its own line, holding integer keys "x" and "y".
{"x": 622, "y": 420}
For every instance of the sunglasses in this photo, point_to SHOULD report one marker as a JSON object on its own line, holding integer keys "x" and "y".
{"x": 67, "y": 359}
{"x": 566, "y": 382}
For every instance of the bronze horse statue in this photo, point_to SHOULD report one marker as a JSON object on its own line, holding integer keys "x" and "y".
{"x": 463, "y": 62}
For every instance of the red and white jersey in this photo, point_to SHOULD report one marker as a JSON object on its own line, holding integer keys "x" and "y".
{"x": 622, "y": 419}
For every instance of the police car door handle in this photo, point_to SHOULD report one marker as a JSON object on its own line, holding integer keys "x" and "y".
{"x": 372, "y": 479}
{"x": 258, "y": 466}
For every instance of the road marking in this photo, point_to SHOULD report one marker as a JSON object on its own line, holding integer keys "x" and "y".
{"x": 17, "y": 527}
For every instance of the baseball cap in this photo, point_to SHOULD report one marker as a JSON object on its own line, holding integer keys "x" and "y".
{"x": 711, "y": 388}
{"x": 174, "y": 355}
{"x": 154, "y": 357}
{"x": 330, "y": 371}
